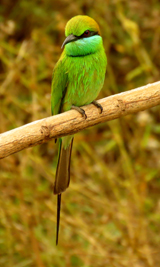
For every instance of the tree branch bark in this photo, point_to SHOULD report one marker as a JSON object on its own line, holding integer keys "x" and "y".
{"x": 71, "y": 122}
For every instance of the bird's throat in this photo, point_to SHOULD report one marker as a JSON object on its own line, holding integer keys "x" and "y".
{"x": 84, "y": 46}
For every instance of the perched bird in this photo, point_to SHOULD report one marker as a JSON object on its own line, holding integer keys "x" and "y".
{"x": 77, "y": 79}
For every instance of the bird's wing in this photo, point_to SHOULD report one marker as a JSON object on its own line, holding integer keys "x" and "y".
{"x": 59, "y": 86}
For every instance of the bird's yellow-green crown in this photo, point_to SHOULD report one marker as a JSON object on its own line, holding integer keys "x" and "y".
{"x": 79, "y": 24}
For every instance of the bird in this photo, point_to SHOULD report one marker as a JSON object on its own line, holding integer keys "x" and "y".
{"x": 77, "y": 79}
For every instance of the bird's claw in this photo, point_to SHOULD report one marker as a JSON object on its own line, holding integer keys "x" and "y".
{"x": 80, "y": 110}
{"x": 95, "y": 103}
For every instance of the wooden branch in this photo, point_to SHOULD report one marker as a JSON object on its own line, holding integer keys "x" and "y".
{"x": 71, "y": 122}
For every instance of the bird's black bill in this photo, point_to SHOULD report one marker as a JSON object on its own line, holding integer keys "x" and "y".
{"x": 58, "y": 216}
{"x": 70, "y": 38}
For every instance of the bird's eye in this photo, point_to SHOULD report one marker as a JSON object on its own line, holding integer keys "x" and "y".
{"x": 86, "y": 33}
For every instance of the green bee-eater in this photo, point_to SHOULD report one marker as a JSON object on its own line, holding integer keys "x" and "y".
{"x": 77, "y": 80}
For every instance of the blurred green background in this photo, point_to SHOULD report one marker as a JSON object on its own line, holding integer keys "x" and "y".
{"x": 111, "y": 212}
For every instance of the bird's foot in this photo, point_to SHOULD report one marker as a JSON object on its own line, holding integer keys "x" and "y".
{"x": 95, "y": 103}
{"x": 80, "y": 110}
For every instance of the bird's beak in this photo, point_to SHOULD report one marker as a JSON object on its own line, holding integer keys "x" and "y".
{"x": 70, "y": 38}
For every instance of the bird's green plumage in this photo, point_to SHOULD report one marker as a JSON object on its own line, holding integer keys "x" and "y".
{"x": 77, "y": 80}
{"x": 78, "y": 24}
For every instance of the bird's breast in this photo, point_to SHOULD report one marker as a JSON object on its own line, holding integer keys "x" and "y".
{"x": 85, "y": 79}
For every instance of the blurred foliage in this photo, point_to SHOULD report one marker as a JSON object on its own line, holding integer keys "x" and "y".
{"x": 111, "y": 212}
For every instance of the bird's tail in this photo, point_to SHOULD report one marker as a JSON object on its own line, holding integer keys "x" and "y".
{"x": 62, "y": 173}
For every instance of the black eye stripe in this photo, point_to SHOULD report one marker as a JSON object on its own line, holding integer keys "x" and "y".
{"x": 91, "y": 33}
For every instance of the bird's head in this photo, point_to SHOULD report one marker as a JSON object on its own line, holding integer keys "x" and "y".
{"x": 82, "y": 36}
